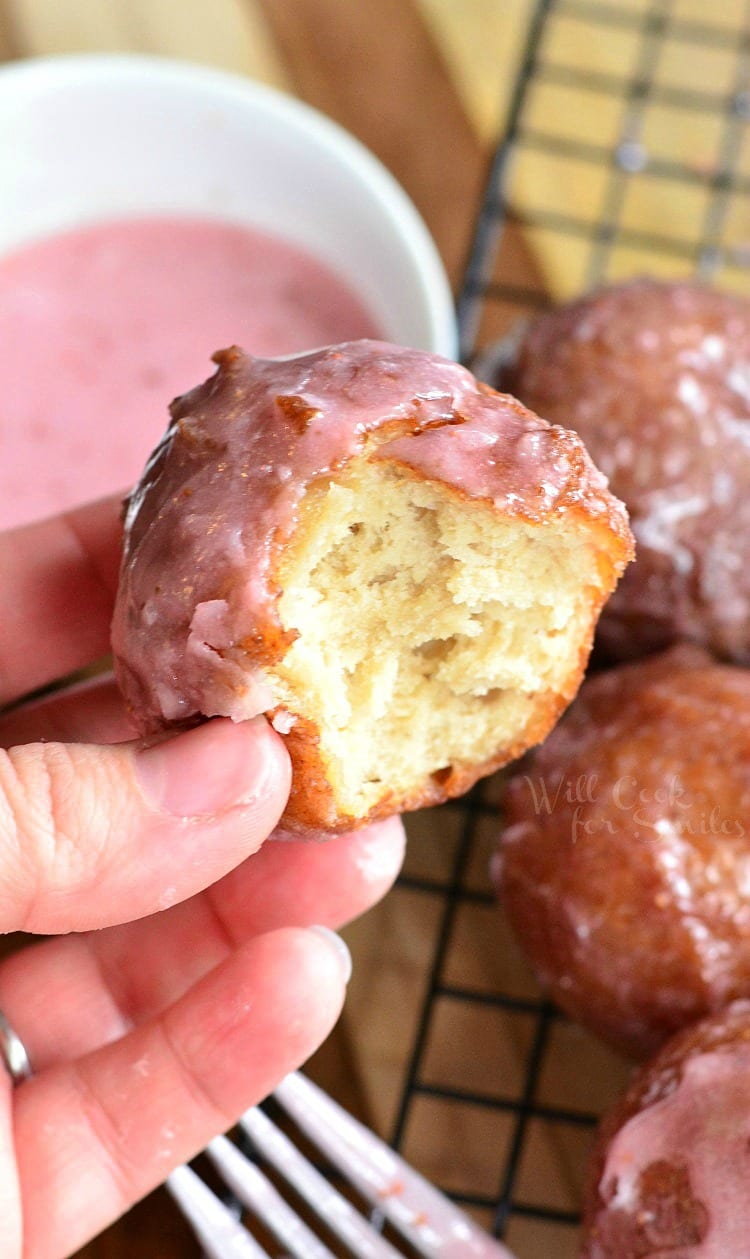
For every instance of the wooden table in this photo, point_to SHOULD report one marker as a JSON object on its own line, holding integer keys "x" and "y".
{"x": 446, "y": 67}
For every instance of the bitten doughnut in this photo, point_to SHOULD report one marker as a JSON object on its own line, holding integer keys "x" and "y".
{"x": 669, "y": 1171}
{"x": 400, "y": 567}
{"x": 625, "y": 863}
{"x": 655, "y": 377}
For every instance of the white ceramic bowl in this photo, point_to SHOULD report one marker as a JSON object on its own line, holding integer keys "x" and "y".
{"x": 85, "y": 138}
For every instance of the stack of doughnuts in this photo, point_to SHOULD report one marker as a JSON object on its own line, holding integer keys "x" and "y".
{"x": 624, "y": 865}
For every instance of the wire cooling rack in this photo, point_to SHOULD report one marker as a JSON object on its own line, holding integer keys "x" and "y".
{"x": 626, "y": 150}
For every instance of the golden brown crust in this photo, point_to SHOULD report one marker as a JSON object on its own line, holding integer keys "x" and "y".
{"x": 312, "y": 804}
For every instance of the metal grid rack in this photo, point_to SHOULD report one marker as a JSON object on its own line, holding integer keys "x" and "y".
{"x": 631, "y": 160}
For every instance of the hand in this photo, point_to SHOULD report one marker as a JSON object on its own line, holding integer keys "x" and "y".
{"x": 149, "y": 1037}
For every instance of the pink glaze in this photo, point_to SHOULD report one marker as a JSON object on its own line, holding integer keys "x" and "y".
{"x": 655, "y": 377}
{"x": 702, "y": 1126}
{"x": 101, "y": 326}
{"x": 196, "y": 608}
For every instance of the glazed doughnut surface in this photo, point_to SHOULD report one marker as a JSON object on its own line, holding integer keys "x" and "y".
{"x": 402, "y": 568}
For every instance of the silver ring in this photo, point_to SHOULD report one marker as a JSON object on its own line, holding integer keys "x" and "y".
{"x": 13, "y": 1053}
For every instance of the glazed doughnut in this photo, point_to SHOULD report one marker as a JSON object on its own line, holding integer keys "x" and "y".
{"x": 402, "y": 568}
{"x": 625, "y": 863}
{"x": 669, "y": 1170}
{"x": 655, "y": 376}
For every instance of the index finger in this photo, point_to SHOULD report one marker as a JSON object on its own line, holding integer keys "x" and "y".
{"x": 58, "y": 579}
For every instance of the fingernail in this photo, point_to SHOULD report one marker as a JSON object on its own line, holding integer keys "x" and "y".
{"x": 339, "y": 945}
{"x": 208, "y": 770}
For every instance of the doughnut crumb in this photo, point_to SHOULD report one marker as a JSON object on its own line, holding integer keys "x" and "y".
{"x": 424, "y": 633}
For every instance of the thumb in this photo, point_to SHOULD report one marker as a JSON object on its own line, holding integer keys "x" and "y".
{"x": 94, "y": 835}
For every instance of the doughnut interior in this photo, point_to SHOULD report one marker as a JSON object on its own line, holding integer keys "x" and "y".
{"x": 426, "y": 632}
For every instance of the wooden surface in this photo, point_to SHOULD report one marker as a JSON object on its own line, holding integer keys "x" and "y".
{"x": 400, "y": 74}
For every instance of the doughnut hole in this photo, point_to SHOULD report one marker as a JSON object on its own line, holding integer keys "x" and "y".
{"x": 668, "y": 1170}
{"x": 624, "y": 865}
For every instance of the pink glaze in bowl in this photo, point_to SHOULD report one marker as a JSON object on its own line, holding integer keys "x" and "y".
{"x": 95, "y": 139}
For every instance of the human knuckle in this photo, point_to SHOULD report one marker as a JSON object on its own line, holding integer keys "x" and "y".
{"x": 188, "y": 1067}
{"x": 109, "y": 1138}
{"x": 48, "y": 823}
